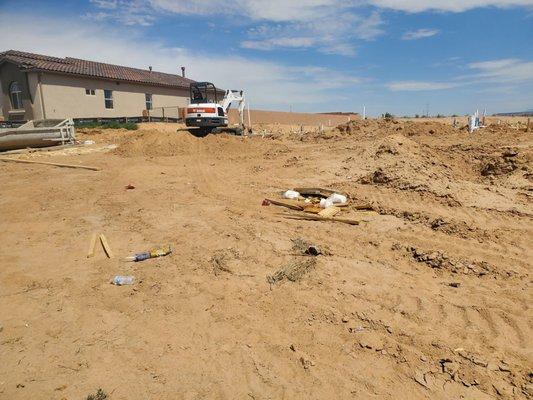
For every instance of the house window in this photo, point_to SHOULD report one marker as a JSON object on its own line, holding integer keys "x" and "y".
{"x": 15, "y": 92}
{"x": 90, "y": 92}
{"x": 148, "y": 98}
{"x": 108, "y": 97}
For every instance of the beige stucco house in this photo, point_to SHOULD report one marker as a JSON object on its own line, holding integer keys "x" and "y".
{"x": 34, "y": 86}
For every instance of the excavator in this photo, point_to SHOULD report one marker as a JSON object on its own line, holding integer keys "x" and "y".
{"x": 205, "y": 114}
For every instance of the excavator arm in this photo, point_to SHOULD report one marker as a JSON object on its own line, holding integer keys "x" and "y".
{"x": 235, "y": 96}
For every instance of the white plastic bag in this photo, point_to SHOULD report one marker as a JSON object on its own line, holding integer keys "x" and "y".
{"x": 291, "y": 194}
{"x": 338, "y": 198}
{"x": 325, "y": 203}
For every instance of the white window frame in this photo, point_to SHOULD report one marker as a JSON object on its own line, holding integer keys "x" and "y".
{"x": 106, "y": 99}
{"x": 16, "y": 96}
{"x": 149, "y": 104}
{"x": 90, "y": 92}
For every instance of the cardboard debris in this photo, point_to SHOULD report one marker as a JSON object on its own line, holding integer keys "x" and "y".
{"x": 329, "y": 212}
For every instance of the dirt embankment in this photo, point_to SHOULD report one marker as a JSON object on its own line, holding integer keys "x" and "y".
{"x": 428, "y": 297}
{"x": 260, "y": 117}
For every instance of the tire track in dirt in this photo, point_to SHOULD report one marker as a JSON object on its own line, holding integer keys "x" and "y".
{"x": 515, "y": 329}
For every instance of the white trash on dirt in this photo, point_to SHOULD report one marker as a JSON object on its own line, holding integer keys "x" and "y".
{"x": 325, "y": 203}
{"x": 338, "y": 198}
{"x": 120, "y": 280}
{"x": 335, "y": 198}
{"x": 291, "y": 194}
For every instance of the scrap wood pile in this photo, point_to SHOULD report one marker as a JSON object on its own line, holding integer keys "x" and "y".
{"x": 318, "y": 204}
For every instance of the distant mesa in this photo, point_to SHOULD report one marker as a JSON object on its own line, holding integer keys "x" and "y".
{"x": 528, "y": 113}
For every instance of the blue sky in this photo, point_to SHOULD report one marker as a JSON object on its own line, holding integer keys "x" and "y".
{"x": 397, "y": 56}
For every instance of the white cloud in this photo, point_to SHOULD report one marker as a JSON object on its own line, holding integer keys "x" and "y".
{"x": 330, "y": 34}
{"x": 329, "y": 26}
{"x": 414, "y": 6}
{"x": 504, "y": 70}
{"x": 269, "y": 85}
{"x": 271, "y": 10}
{"x": 419, "y": 34}
{"x": 416, "y": 86}
{"x": 106, "y": 4}
{"x": 127, "y": 12}
{"x": 306, "y": 10}
{"x": 269, "y": 44}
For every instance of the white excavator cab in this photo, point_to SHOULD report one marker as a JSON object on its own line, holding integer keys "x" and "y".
{"x": 206, "y": 114}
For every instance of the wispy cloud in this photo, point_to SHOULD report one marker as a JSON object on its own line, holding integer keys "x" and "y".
{"x": 269, "y": 44}
{"x": 328, "y": 26}
{"x": 417, "y": 86}
{"x": 419, "y": 34}
{"x": 414, "y": 6}
{"x": 127, "y": 12}
{"x": 504, "y": 70}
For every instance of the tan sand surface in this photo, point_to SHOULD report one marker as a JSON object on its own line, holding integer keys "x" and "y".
{"x": 428, "y": 298}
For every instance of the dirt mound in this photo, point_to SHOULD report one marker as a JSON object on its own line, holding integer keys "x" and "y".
{"x": 165, "y": 144}
{"x": 402, "y": 162}
{"x": 383, "y": 126}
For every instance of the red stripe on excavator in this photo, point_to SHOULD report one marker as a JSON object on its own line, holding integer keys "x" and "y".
{"x": 201, "y": 110}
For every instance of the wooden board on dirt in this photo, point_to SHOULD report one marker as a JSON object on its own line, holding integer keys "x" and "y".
{"x": 329, "y": 212}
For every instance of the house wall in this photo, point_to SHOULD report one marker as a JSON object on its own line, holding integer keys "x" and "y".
{"x": 1, "y": 100}
{"x": 64, "y": 97}
{"x": 8, "y": 74}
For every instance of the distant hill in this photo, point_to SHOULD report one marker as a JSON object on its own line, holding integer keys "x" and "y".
{"x": 528, "y": 113}
{"x": 339, "y": 113}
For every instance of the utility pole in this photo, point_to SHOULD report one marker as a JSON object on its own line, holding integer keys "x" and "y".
{"x": 364, "y": 112}
{"x": 427, "y": 110}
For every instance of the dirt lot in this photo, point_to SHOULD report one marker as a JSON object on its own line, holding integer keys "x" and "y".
{"x": 428, "y": 298}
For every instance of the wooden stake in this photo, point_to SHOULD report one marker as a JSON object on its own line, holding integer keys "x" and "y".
{"x": 105, "y": 245}
{"x": 49, "y": 163}
{"x": 90, "y": 253}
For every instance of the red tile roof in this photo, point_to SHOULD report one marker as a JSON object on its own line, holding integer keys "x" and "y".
{"x": 76, "y": 66}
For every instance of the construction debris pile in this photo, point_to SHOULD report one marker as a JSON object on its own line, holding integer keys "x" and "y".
{"x": 318, "y": 204}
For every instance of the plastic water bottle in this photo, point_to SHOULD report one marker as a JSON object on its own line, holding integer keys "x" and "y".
{"x": 120, "y": 280}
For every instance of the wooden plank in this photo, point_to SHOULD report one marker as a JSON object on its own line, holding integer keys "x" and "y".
{"x": 49, "y": 163}
{"x": 92, "y": 245}
{"x": 312, "y": 209}
{"x": 329, "y": 212}
{"x": 41, "y": 149}
{"x": 287, "y": 204}
{"x": 310, "y": 217}
{"x": 360, "y": 206}
{"x": 105, "y": 245}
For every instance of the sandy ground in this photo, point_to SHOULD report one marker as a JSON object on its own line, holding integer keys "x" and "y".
{"x": 428, "y": 298}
